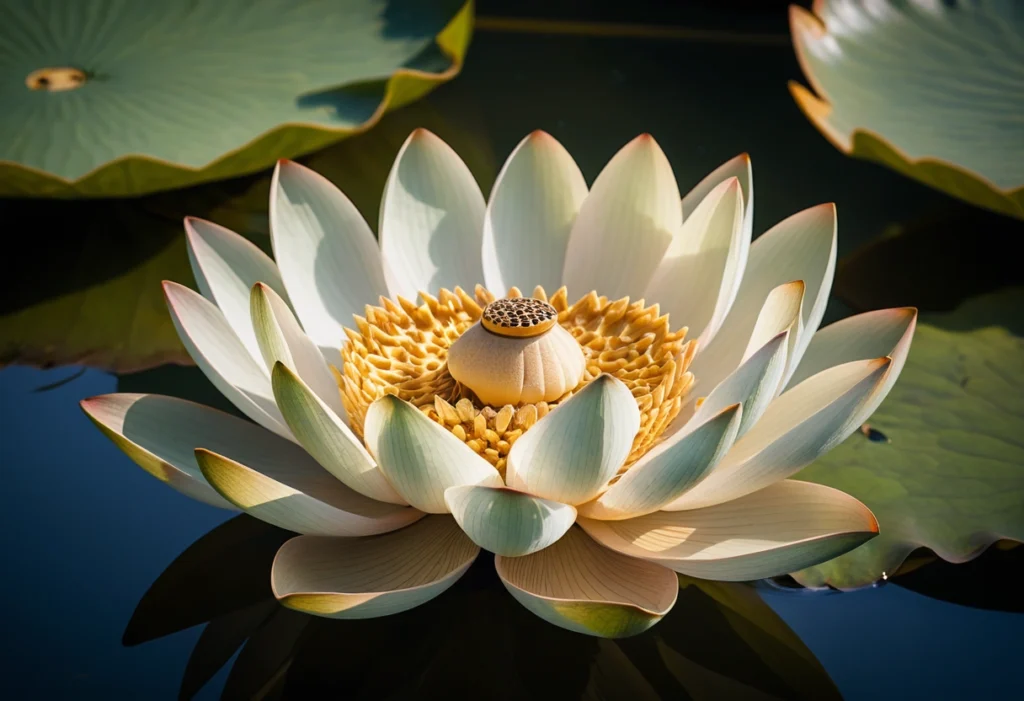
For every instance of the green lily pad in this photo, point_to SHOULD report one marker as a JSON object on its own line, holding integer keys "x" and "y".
{"x": 95, "y": 298}
{"x": 105, "y": 99}
{"x": 358, "y": 166}
{"x": 98, "y": 300}
{"x": 944, "y": 465}
{"x": 931, "y": 90}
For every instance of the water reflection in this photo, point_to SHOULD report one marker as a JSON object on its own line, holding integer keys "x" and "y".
{"x": 474, "y": 641}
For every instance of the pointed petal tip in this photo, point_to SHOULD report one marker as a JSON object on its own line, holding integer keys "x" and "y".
{"x": 880, "y": 363}
{"x": 422, "y": 133}
{"x": 392, "y": 401}
{"x": 645, "y": 141}
{"x": 802, "y": 20}
{"x": 798, "y": 286}
{"x": 736, "y": 408}
{"x": 731, "y": 185}
{"x": 172, "y": 290}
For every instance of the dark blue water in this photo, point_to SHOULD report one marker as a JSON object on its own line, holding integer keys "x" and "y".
{"x": 86, "y": 532}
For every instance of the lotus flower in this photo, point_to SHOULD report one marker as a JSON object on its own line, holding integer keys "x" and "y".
{"x": 576, "y": 434}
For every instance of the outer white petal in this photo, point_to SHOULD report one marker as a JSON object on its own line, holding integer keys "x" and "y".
{"x": 431, "y": 220}
{"x": 754, "y": 384}
{"x": 802, "y": 247}
{"x": 226, "y": 266}
{"x": 626, "y": 223}
{"x": 699, "y": 275}
{"x": 667, "y": 471}
{"x": 508, "y": 522}
{"x": 326, "y": 252}
{"x": 579, "y": 585}
{"x": 420, "y": 458}
{"x": 286, "y": 488}
{"x": 532, "y": 209}
{"x": 217, "y": 351}
{"x": 797, "y": 428}
{"x": 782, "y": 528}
{"x": 282, "y": 341}
{"x": 572, "y": 453}
{"x": 870, "y": 335}
{"x": 371, "y": 577}
{"x": 328, "y": 439}
{"x": 160, "y": 433}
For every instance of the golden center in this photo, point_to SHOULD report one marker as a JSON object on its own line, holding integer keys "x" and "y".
{"x": 401, "y": 348}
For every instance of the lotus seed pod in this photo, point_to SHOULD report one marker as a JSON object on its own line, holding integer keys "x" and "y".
{"x": 517, "y": 354}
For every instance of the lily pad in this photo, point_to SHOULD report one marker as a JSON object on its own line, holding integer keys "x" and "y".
{"x": 944, "y": 466}
{"x": 929, "y": 89}
{"x": 104, "y": 99}
{"x": 94, "y": 299}
{"x": 358, "y": 166}
{"x": 97, "y": 300}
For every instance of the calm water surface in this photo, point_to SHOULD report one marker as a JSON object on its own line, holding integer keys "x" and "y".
{"x": 86, "y": 532}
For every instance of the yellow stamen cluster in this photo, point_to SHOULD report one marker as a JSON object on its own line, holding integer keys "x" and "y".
{"x": 401, "y": 348}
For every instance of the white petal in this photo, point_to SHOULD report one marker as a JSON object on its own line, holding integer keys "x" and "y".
{"x": 797, "y": 428}
{"x": 782, "y": 528}
{"x": 226, "y": 266}
{"x": 699, "y": 275}
{"x": 326, "y": 252}
{"x": 282, "y": 340}
{"x": 740, "y": 168}
{"x": 328, "y": 439}
{"x": 754, "y": 384}
{"x": 802, "y": 247}
{"x": 869, "y": 335}
{"x": 420, "y": 458}
{"x": 286, "y": 488}
{"x": 431, "y": 220}
{"x": 160, "y": 434}
{"x": 532, "y": 209}
{"x": 572, "y": 453}
{"x": 507, "y": 522}
{"x": 626, "y": 223}
{"x": 667, "y": 471}
{"x": 578, "y": 585}
{"x": 371, "y": 577}
{"x": 781, "y": 312}
{"x": 217, "y": 351}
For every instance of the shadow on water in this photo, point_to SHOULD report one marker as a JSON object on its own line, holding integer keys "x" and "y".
{"x": 991, "y": 582}
{"x": 474, "y": 641}
{"x": 934, "y": 262}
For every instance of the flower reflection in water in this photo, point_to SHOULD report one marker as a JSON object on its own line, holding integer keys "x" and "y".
{"x": 720, "y": 641}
